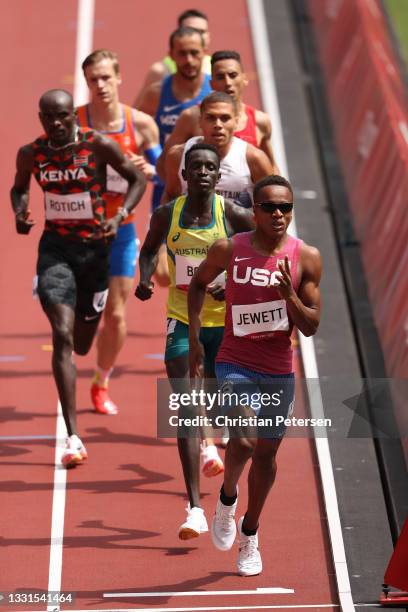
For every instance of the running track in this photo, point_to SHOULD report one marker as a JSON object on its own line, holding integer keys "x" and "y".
{"x": 123, "y": 508}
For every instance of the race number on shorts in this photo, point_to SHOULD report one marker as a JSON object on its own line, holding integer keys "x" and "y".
{"x": 99, "y": 300}
{"x": 171, "y": 326}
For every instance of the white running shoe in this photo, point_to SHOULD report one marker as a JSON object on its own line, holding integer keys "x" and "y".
{"x": 249, "y": 558}
{"x": 223, "y": 527}
{"x": 195, "y": 524}
{"x": 74, "y": 453}
{"x": 212, "y": 464}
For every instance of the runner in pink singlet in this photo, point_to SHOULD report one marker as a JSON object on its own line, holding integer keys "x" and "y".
{"x": 272, "y": 286}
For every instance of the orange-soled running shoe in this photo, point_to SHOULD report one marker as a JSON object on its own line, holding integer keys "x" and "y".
{"x": 194, "y": 525}
{"x": 101, "y": 400}
{"x": 74, "y": 453}
{"x": 212, "y": 464}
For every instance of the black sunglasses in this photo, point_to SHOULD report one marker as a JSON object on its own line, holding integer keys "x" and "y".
{"x": 271, "y": 207}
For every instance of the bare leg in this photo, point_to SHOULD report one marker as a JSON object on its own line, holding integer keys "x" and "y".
{"x": 113, "y": 333}
{"x": 237, "y": 454}
{"x": 188, "y": 447}
{"x": 62, "y": 319}
{"x": 260, "y": 479}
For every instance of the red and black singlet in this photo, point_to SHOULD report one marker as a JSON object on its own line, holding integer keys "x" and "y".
{"x": 73, "y": 188}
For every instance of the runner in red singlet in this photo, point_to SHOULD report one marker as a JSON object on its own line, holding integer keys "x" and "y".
{"x": 272, "y": 286}
{"x": 253, "y": 125}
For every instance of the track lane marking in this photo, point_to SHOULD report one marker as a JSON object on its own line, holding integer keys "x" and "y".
{"x": 269, "y": 95}
{"x": 25, "y": 438}
{"x": 209, "y": 609}
{"x": 259, "y": 591}
{"x": 58, "y": 512}
{"x": 85, "y": 24}
{"x": 83, "y": 46}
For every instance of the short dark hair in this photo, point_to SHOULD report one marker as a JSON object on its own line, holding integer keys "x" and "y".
{"x": 218, "y": 96}
{"x": 225, "y": 55}
{"x": 98, "y": 55}
{"x": 201, "y": 146}
{"x": 184, "y": 31}
{"x": 190, "y": 13}
{"x": 273, "y": 179}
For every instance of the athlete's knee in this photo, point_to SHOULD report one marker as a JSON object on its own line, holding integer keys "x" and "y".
{"x": 242, "y": 447}
{"x": 115, "y": 318}
{"x": 265, "y": 454}
{"x": 62, "y": 336}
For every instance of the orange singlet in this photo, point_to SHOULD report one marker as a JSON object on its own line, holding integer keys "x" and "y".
{"x": 116, "y": 186}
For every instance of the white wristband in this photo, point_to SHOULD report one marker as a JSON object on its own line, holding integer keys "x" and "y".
{"x": 123, "y": 213}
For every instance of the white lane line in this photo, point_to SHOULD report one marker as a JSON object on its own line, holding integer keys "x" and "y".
{"x": 25, "y": 438}
{"x": 85, "y": 21}
{"x": 85, "y": 24}
{"x": 260, "y": 591}
{"x": 270, "y": 102}
{"x": 210, "y": 609}
{"x": 58, "y": 512}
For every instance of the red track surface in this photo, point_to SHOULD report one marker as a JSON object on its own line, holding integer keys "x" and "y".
{"x": 123, "y": 507}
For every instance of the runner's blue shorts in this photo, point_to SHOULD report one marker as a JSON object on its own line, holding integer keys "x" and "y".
{"x": 268, "y": 395}
{"x": 124, "y": 252}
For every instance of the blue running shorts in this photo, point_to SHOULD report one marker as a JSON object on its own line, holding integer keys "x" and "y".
{"x": 124, "y": 252}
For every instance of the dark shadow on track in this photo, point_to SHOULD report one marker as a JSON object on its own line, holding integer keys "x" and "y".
{"x": 195, "y": 584}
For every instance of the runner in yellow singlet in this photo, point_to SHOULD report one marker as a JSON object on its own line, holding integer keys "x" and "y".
{"x": 190, "y": 225}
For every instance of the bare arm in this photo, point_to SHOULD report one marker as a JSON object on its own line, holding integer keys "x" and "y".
{"x": 217, "y": 260}
{"x": 186, "y": 127}
{"x": 264, "y": 126}
{"x": 172, "y": 188}
{"x": 147, "y": 128}
{"x": 156, "y": 73}
{"x": 147, "y": 135}
{"x": 159, "y": 223}
{"x": 20, "y": 191}
{"x": 239, "y": 219}
{"x": 303, "y": 306}
{"x": 259, "y": 164}
{"x": 149, "y": 101}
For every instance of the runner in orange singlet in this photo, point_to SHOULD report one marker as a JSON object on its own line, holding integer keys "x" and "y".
{"x": 137, "y": 135}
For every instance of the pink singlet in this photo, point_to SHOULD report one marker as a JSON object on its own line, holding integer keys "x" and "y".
{"x": 257, "y": 324}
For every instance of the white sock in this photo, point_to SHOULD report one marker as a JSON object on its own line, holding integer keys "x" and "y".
{"x": 102, "y": 376}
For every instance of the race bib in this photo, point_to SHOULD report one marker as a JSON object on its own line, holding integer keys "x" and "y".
{"x": 258, "y": 318}
{"x": 70, "y": 206}
{"x": 115, "y": 183}
{"x": 185, "y": 268}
